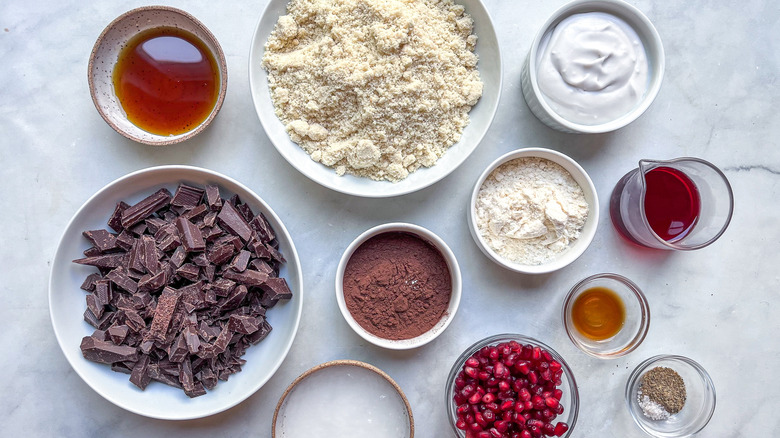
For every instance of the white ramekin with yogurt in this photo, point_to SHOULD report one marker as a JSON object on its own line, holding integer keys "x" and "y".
{"x": 595, "y": 66}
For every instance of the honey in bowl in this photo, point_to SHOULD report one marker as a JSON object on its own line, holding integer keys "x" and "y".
{"x": 598, "y": 313}
{"x": 167, "y": 81}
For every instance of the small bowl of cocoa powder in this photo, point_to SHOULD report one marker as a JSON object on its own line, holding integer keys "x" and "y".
{"x": 398, "y": 286}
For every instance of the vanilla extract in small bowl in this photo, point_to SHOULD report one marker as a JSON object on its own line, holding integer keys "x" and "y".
{"x": 606, "y": 315}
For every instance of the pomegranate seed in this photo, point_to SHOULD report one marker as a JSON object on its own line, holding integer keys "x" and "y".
{"x": 535, "y": 431}
{"x": 472, "y": 362}
{"x": 533, "y": 377}
{"x": 538, "y": 402}
{"x": 548, "y": 415}
{"x": 463, "y": 409}
{"x": 557, "y": 393}
{"x": 506, "y": 405}
{"x": 500, "y": 370}
{"x": 559, "y": 410}
{"x": 555, "y": 365}
{"x": 475, "y": 427}
{"x": 483, "y": 375}
{"x": 489, "y": 416}
{"x": 501, "y": 426}
{"x": 546, "y": 375}
{"x": 548, "y": 429}
{"x": 460, "y": 399}
{"x": 475, "y": 398}
{"x": 524, "y": 394}
{"x": 492, "y": 407}
{"x": 470, "y": 371}
{"x": 493, "y": 353}
{"x": 528, "y": 405}
{"x": 536, "y": 353}
{"x": 560, "y": 429}
{"x": 525, "y": 434}
{"x": 488, "y": 398}
{"x": 523, "y": 366}
{"x": 519, "y": 406}
{"x": 551, "y": 402}
{"x": 480, "y": 419}
{"x": 504, "y": 385}
{"x": 547, "y": 355}
{"x": 494, "y": 432}
{"x": 483, "y": 434}
{"x": 461, "y": 424}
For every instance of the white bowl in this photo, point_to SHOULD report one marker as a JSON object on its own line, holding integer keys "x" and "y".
{"x": 653, "y": 48}
{"x": 452, "y": 264}
{"x": 481, "y": 114}
{"x": 106, "y": 52}
{"x": 586, "y": 235}
{"x": 66, "y": 302}
{"x": 386, "y": 408}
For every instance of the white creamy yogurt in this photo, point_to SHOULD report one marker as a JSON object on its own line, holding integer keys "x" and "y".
{"x": 592, "y": 68}
{"x": 343, "y": 401}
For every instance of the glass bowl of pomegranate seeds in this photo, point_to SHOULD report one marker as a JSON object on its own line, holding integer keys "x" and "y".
{"x": 511, "y": 386}
{"x": 670, "y": 396}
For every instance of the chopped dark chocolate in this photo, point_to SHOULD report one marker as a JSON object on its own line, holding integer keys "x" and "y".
{"x": 101, "y": 239}
{"x": 115, "y": 221}
{"x": 234, "y": 223}
{"x": 190, "y": 235}
{"x": 187, "y": 196}
{"x": 119, "y": 277}
{"x": 145, "y": 208}
{"x": 216, "y": 264}
{"x": 103, "y": 261}
{"x": 89, "y": 282}
{"x": 106, "y": 352}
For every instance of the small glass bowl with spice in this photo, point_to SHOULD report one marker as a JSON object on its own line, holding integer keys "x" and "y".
{"x": 670, "y": 396}
{"x": 398, "y": 286}
{"x": 606, "y": 315}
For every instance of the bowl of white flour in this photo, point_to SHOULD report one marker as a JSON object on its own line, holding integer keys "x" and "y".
{"x": 375, "y": 99}
{"x": 533, "y": 211}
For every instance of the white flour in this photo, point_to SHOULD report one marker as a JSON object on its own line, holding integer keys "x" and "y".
{"x": 530, "y": 209}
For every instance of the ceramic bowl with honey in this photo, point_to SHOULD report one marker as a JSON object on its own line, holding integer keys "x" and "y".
{"x": 157, "y": 75}
{"x": 606, "y": 315}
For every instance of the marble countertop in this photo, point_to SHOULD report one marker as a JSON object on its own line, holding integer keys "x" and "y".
{"x": 720, "y": 101}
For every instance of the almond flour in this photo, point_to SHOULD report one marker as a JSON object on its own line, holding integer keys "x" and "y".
{"x": 530, "y": 209}
{"x": 374, "y": 88}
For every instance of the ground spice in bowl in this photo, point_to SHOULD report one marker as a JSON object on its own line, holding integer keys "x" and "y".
{"x": 661, "y": 393}
{"x": 397, "y": 285}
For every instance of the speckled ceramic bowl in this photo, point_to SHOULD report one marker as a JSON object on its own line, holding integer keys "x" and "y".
{"x": 106, "y": 52}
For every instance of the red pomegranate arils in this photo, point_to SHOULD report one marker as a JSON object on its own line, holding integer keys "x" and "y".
{"x": 509, "y": 390}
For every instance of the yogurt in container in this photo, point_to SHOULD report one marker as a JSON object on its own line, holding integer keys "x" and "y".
{"x": 595, "y": 66}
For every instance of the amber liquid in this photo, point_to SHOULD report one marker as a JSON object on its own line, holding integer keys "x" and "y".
{"x": 167, "y": 81}
{"x": 598, "y": 313}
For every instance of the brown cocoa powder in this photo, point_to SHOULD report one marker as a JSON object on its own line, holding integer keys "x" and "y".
{"x": 397, "y": 286}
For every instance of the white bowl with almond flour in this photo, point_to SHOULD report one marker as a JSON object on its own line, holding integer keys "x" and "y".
{"x": 481, "y": 114}
{"x": 533, "y": 211}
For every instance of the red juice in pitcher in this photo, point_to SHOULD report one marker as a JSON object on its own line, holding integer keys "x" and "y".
{"x": 672, "y": 203}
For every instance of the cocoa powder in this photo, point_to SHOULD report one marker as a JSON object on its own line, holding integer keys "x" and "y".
{"x": 397, "y": 286}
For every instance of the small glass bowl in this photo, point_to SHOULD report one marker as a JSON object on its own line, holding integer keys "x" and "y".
{"x": 699, "y": 403}
{"x": 635, "y": 326}
{"x": 570, "y": 399}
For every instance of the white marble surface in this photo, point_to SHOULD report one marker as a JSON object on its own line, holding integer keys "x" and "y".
{"x": 719, "y": 101}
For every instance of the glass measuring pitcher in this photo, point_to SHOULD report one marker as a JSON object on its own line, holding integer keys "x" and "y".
{"x": 683, "y": 204}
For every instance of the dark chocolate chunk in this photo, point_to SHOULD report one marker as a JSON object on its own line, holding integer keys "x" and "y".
{"x": 153, "y": 283}
{"x": 101, "y": 323}
{"x": 240, "y": 262}
{"x": 277, "y": 289}
{"x": 196, "y": 213}
{"x": 232, "y": 221}
{"x": 125, "y": 240}
{"x": 145, "y": 208}
{"x": 249, "y": 277}
{"x": 92, "y": 252}
{"x": 134, "y": 257}
{"x": 122, "y": 367}
{"x": 106, "y": 352}
{"x": 166, "y": 305}
{"x": 200, "y": 260}
{"x": 103, "y": 261}
{"x": 187, "y": 196}
{"x": 190, "y": 335}
{"x": 140, "y": 375}
{"x": 138, "y": 229}
{"x": 275, "y": 254}
{"x": 177, "y": 351}
{"x": 213, "y": 198}
{"x": 89, "y": 282}
{"x": 93, "y": 306}
{"x": 261, "y": 266}
{"x": 149, "y": 254}
{"x": 101, "y": 239}
{"x": 119, "y": 277}
{"x": 221, "y": 343}
{"x": 210, "y": 219}
{"x": 133, "y": 320}
{"x": 243, "y": 324}
{"x": 260, "y": 224}
{"x": 115, "y": 222}
{"x": 155, "y": 224}
{"x": 178, "y": 256}
{"x": 246, "y": 212}
{"x": 234, "y": 299}
{"x": 208, "y": 378}
{"x": 220, "y": 254}
{"x": 188, "y": 271}
{"x": 222, "y": 287}
{"x": 190, "y": 235}
{"x": 103, "y": 292}
{"x": 118, "y": 333}
{"x": 158, "y": 375}
{"x": 259, "y": 335}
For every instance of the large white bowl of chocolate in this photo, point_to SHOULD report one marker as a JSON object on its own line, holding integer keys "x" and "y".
{"x": 185, "y": 295}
